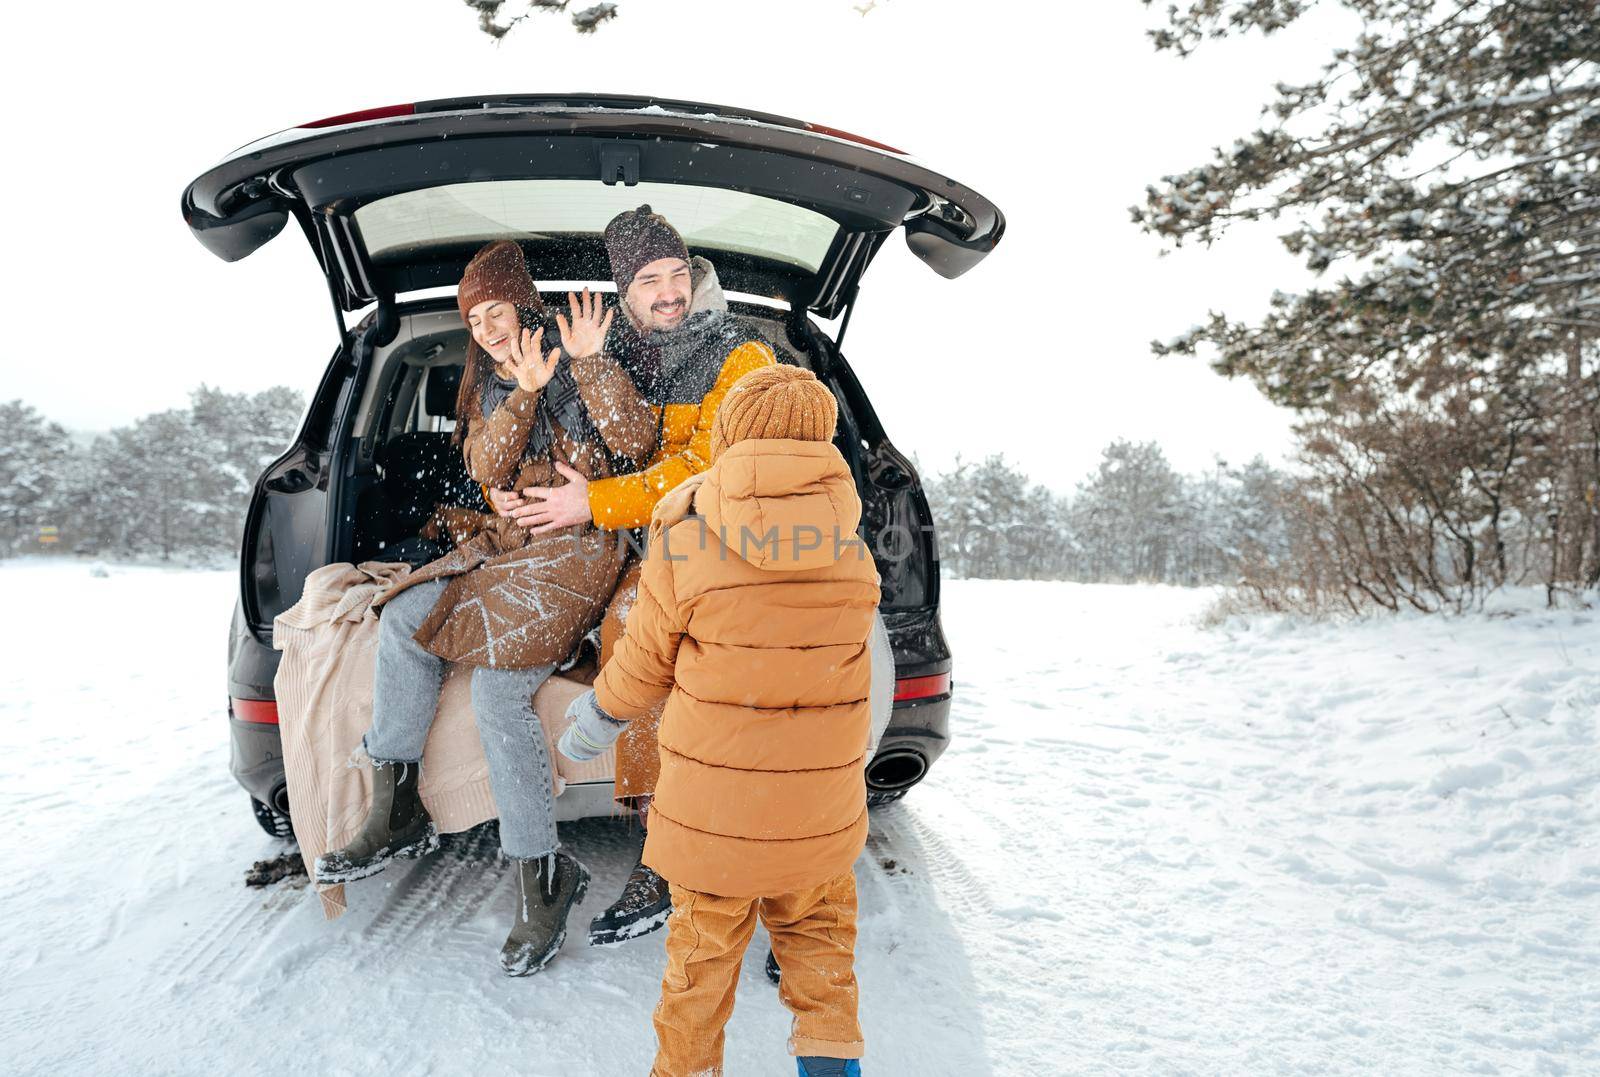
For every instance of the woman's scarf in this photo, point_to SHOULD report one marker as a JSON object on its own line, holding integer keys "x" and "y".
{"x": 560, "y": 403}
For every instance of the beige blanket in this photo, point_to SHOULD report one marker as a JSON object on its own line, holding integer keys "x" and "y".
{"x": 324, "y": 689}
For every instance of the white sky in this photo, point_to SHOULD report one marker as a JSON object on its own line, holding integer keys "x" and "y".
{"x": 1059, "y": 115}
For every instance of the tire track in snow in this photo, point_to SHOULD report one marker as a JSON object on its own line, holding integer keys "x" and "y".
{"x": 445, "y": 888}
{"x": 898, "y": 834}
{"x": 233, "y": 932}
{"x": 468, "y": 890}
{"x": 428, "y": 890}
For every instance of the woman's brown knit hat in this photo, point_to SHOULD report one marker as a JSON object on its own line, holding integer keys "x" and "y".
{"x": 498, "y": 271}
{"x": 778, "y": 401}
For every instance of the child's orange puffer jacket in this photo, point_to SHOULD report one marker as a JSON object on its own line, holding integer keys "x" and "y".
{"x": 756, "y": 612}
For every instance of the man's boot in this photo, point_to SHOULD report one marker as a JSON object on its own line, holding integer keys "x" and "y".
{"x": 644, "y": 906}
{"x": 547, "y": 889}
{"x": 397, "y": 826}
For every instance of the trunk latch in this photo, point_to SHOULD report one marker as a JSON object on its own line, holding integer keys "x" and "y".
{"x": 619, "y": 161}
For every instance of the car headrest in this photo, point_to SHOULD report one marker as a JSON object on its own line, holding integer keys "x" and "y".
{"x": 439, "y": 393}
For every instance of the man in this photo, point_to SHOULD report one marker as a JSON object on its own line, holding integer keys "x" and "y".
{"x": 684, "y": 350}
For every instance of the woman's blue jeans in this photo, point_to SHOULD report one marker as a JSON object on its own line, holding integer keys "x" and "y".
{"x": 405, "y": 695}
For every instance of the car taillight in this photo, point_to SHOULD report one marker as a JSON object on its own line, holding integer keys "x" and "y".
{"x": 366, "y": 114}
{"x": 848, "y": 137}
{"x": 937, "y": 684}
{"x": 261, "y": 711}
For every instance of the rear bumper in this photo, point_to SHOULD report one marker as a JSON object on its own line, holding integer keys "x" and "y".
{"x": 255, "y": 757}
{"x": 256, "y": 761}
{"x": 256, "y": 753}
{"x": 919, "y": 729}
{"x": 918, "y": 733}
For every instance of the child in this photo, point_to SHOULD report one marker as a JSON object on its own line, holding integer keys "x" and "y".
{"x": 753, "y": 617}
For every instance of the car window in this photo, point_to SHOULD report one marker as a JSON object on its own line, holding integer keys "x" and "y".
{"x": 408, "y": 224}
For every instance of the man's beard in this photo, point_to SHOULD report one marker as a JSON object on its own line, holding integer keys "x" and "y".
{"x": 681, "y": 307}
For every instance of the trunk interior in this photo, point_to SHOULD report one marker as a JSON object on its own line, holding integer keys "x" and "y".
{"x": 399, "y": 461}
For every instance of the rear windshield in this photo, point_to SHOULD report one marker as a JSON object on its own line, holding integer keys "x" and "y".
{"x": 404, "y": 225}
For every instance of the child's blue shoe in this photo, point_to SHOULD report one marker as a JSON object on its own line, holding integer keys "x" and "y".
{"x": 817, "y": 1066}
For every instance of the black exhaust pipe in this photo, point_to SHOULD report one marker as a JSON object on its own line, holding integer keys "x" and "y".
{"x": 279, "y": 798}
{"x": 896, "y": 769}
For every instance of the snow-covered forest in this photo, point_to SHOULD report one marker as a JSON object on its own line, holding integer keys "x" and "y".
{"x": 171, "y": 486}
{"x": 1133, "y": 519}
{"x": 1438, "y": 172}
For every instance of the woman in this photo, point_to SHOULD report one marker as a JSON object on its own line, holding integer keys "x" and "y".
{"x": 509, "y": 603}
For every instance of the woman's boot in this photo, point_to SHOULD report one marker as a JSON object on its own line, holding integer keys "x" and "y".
{"x": 547, "y": 889}
{"x": 396, "y": 826}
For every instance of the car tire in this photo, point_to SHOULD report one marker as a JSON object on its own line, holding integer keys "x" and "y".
{"x": 878, "y": 798}
{"x": 273, "y": 821}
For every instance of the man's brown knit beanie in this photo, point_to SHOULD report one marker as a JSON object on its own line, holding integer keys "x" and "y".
{"x": 776, "y": 401}
{"x": 498, "y": 271}
{"x": 637, "y": 237}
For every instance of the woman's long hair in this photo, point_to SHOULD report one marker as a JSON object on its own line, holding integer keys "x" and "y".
{"x": 480, "y": 368}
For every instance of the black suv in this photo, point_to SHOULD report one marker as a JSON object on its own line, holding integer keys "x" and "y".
{"x": 395, "y": 200}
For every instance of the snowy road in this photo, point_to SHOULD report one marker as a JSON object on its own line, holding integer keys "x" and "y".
{"x": 1152, "y": 848}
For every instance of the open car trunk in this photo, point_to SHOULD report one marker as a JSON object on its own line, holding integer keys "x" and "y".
{"x": 396, "y": 200}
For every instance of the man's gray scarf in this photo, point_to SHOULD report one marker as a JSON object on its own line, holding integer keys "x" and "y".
{"x": 666, "y": 365}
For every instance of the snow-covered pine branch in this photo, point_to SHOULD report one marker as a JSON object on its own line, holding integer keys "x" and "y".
{"x": 1447, "y": 158}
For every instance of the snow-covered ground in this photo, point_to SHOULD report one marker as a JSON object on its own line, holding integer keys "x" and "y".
{"x": 1152, "y": 848}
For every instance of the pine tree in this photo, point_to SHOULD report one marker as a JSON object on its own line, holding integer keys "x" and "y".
{"x": 491, "y": 13}
{"x": 1254, "y": 529}
{"x": 176, "y": 484}
{"x": 1126, "y": 515}
{"x": 1445, "y": 162}
{"x": 36, "y": 470}
{"x": 154, "y": 489}
{"x": 999, "y": 495}
{"x": 956, "y": 522}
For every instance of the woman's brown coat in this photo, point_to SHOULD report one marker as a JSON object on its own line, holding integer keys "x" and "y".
{"x": 763, "y": 646}
{"x": 516, "y": 599}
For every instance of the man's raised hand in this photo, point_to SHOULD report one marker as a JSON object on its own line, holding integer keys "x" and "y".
{"x": 586, "y": 333}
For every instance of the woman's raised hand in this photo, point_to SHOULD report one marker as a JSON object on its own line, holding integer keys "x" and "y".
{"x": 531, "y": 371}
{"x": 586, "y": 333}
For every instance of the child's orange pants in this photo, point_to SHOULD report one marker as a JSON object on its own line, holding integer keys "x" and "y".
{"x": 814, "y": 939}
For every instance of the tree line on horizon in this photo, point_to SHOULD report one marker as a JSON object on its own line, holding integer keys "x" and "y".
{"x": 1133, "y": 519}
{"x": 171, "y": 486}
{"x": 174, "y": 486}
{"x": 1260, "y": 531}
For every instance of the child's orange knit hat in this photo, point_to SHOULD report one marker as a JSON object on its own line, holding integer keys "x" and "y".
{"x": 778, "y": 401}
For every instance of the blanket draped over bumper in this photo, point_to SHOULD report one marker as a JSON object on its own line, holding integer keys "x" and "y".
{"x": 324, "y": 690}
